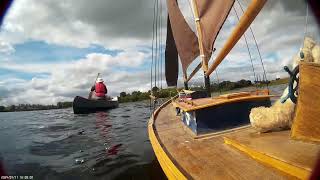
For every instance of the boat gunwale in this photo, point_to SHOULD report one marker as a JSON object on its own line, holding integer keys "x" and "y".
{"x": 170, "y": 167}
{"x": 82, "y": 105}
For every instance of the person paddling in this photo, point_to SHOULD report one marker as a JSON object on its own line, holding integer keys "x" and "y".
{"x": 100, "y": 90}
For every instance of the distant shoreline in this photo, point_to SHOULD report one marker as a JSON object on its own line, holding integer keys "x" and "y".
{"x": 34, "y": 107}
{"x": 223, "y": 86}
{"x": 141, "y": 96}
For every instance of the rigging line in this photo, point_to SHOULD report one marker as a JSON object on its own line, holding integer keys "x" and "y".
{"x": 156, "y": 44}
{"x": 245, "y": 38}
{"x": 152, "y": 55}
{"x": 156, "y": 50}
{"x": 255, "y": 41}
{"x": 306, "y": 24}
{"x": 218, "y": 81}
{"x": 161, "y": 49}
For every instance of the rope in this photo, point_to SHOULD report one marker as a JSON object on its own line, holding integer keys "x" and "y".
{"x": 156, "y": 49}
{"x": 152, "y": 53}
{"x": 306, "y": 23}
{"x": 305, "y": 27}
{"x": 218, "y": 81}
{"x": 161, "y": 49}
{"x": 255, "y": 41}
{"x": 245, "y": 38}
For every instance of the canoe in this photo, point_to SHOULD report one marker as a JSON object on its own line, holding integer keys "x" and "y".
{"x": 83, "y": 105}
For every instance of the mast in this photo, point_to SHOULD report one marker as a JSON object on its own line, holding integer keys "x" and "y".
{"x": 204, "y": 58}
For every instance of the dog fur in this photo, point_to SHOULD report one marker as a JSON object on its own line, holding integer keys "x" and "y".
{"x": 280, "y": 116}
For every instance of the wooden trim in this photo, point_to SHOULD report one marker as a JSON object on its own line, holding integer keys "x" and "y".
{"x": 224, "y": 132}
{"x": 273, "y": 162}
{"x": 188, "y": 91}
{"x": 199, "y": 32}
{"x": 235, "y": 95}
{"x": 306, "y": 124}
{"x": 244, "y": 23}
{"x": 240, "y": 99}
{"x": 169, "y": 168}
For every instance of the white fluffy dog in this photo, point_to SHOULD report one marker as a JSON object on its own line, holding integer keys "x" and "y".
{"x": 280, "y": 115}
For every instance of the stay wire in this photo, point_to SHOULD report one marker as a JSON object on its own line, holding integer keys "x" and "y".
{"x": 218, "y": 81}
{"x": 152, "y": 53}
{"x": 245, "y": 38}
{"x": 156, "y": 48}
{"x": 306, "y": 25}
{"x": 161, "y": 49}
{"x": 152, "y": 45}
{"x": 306, "y": 22}
{"x": 262, "y": 64}
{"x": 159, "y": 40}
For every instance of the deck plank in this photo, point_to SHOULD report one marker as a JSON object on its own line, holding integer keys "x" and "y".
{"x": 206, "y": 158}
{"x": 278, "y": 144}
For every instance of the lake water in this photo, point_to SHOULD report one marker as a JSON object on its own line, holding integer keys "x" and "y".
{"x": 56, "y": 144}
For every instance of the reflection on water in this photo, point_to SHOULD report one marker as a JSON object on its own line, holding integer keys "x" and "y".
{"x": 56, "y": 144}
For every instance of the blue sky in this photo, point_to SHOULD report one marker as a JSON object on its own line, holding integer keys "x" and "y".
{"x": 42, "y": 52}
{"x": 52, "y": 51}
{"x": 39, "y": 52}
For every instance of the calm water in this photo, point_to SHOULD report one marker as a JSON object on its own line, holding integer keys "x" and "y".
{"x": 51, "y": 144}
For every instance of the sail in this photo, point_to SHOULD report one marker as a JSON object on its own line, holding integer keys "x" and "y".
{"x": 212, "y": 16}
{"x": 185, "y": 39}
{"x": 171, "y": 55}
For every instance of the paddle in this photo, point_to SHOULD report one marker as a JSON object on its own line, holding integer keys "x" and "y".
{"x": 90, "y": 94}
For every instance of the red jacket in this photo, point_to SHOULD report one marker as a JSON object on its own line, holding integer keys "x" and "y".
{"x": 100, "y": 89}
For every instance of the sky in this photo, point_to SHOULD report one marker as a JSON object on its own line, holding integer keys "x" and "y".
{"x": 51, "y": 51}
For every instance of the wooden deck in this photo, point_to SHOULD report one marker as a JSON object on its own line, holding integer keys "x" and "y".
{"x": 182, "y": 156}
{"x": 278, "y": 150}
{"x": 195, "y": 104}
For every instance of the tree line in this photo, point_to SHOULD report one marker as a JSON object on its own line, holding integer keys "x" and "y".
{"x": 34, "y": 107}
{"x": 139, "y": 96}
{"x": 170, "y": 92}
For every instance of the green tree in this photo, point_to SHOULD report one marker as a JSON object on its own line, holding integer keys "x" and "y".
{"x": 123, "y": 94}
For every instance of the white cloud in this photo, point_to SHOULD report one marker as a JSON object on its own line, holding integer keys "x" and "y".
{"x": 80, "y": 23}
{"x": 6, "y": 48}
{"x": 127, "y": 26}
{"x": 66, "y": 80}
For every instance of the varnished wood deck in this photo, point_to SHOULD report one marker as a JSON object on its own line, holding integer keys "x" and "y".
{"x": 195, "y": 104}
{"x": 182, "y": 156}
{"x": 278, "y": 150}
